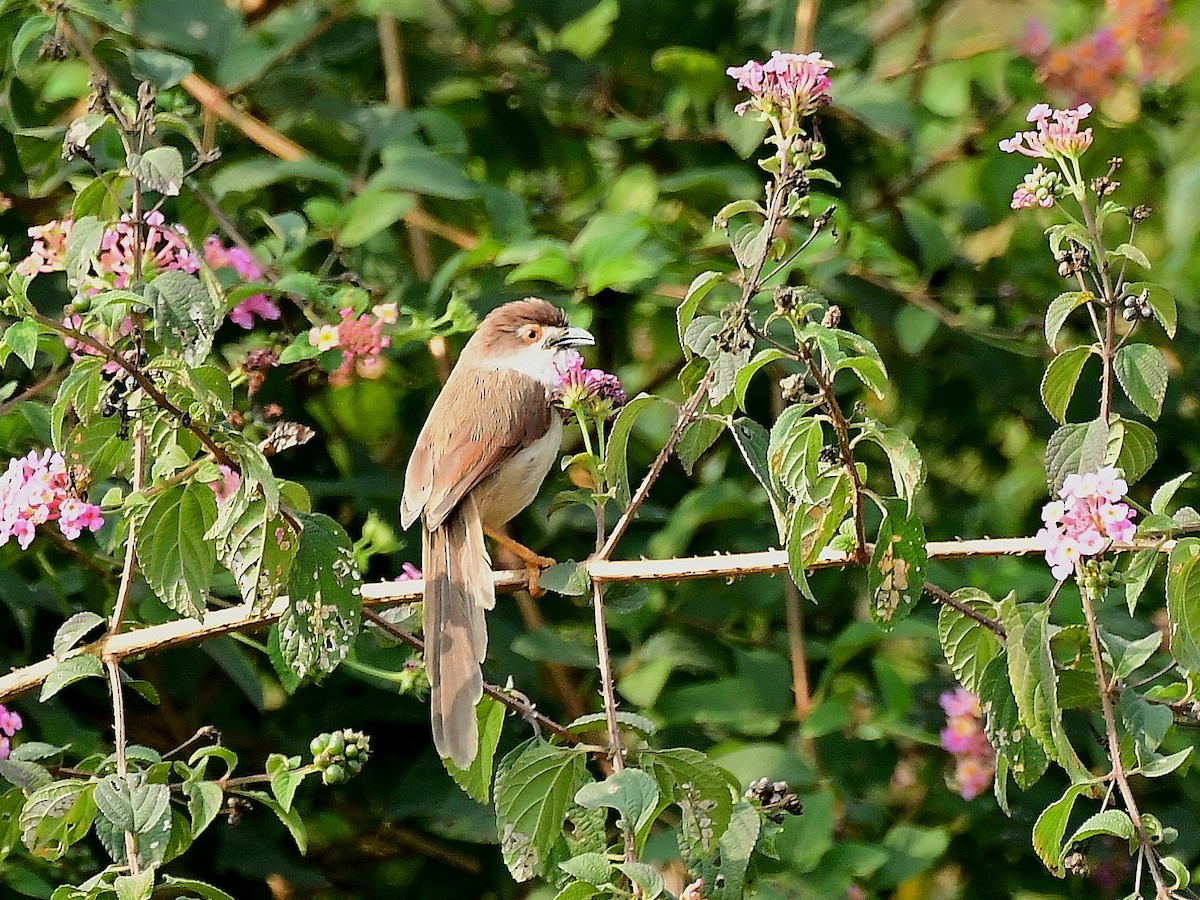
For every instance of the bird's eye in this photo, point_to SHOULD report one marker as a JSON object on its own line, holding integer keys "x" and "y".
{"x": 530, "y": 333}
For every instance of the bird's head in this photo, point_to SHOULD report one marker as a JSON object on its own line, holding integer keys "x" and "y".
{"x": 527, "y": 336}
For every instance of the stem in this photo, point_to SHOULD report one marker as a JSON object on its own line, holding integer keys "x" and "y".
{"x": 1114, "y": 749}
{"x": 1108, "y": 349}
{"x": 125, "y": 588}
{"x": 607, "y": 691}
{"x": 118, "y": 703}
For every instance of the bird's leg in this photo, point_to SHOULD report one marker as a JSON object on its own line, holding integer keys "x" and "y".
{"x": 534, "y": 563}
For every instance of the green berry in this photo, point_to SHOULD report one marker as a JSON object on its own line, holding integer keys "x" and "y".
{"x": 318, "y": 745}
{"x": 334, "y": 774}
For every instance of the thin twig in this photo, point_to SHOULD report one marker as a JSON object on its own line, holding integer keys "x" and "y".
{"x": 118, "y": 703}
{"x": 33, "y": 390}
{"x": 941, "y": 595}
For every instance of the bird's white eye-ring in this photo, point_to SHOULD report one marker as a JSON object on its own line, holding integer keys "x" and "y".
{"x": 530, "y": 333}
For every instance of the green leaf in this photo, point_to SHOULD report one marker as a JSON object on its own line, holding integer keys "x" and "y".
{"x": 1137, "y": 575}
{"x": 182, "y": 887}
{"x": 69, "y": 671}
{"x": 585, "y": 35}
{"x": 1050, "y": 827}
{"x": 160, "y": 169}
{"x": 1128, "y": 656}
{"x": 72, "y": 630}
{"x": 1130, "y": 252}
{"x": 794, "y": 449}
{"x": 594, "y": 868}
{"x": 869, "y": 371}
{"x": 1163, "y": 496}
{"x": 576, "y": 890}
{"x": 476, "y": 780}
{"x": 1062, "y": 375}
{"x": 187, "y": 314}
{"x": 968, "y": 645}
{"x": 1034, "y": 680}
{"x": 908, "y": 469}
{"x": 27, "y": 776}
{"x": 742, "y": 383}
{"x": 534, "y": 786}
{"x": 752, "y": 441}
{"x": 131, "y": 803}
{"x": 598, "y": 720}
{"x": 1135, "y": 447}
{"x": 736, "y": 847}
{"x": 703, "y": 791}
{"x": 1060, "y": 308}
{"x": 135, "y": 887}
{"x": 1015, "y": 746}
{"x": 1159, "y": 766}
{"x": 82, "y": 247}
{"x": 176, "y": 561}
{"x": 258, "y": 550}
{"x": 1075, "y": 448}
{"x": 21, "y": 337}
{"x": 289, "y": 817}
{"x": 699, "y": 435}
{"x": 616, "y": 458}
{"x": 285, "y": 778}
{"x": 324, "y": 607}
{"x": 370, "y": 213}
{"x": 1181, "y": 874}
{"x": 646, "y": 877}
{"x": 1111, "y": 821}
{"x": 1183, "y": 602}
{"x": 631, "y": 792}
{"x": 163, "y": 70}
{"x": 568, "y": 578}
{"x": 697, "y": 291}
{"x": 814, "y": 525}
{"x": 1142, "y": 372}
{"x": 896, "y": 578}
{"x": 57, "y": 816}
{"x": 205, "y": 801}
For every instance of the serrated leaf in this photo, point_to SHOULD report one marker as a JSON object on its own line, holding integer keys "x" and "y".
{"x": 1142, "y": 372}
{"x": 1132, "y": 253}
{"x": 616, "y": 459}
{"x": 594, "y": 868}
{"x": 752, "y": 368}
{"x": 258, "y": 551}
{"x": 68, "y": 672}
{"x": 968, "y": 645}
{"x": 135, "y": 887}
{"x": 21, "y": 337}
{"x": 205, "y": 800}
{"x": 72, "y": 630}
{"x": 1180, "y": 873}
{"x": 57, "y": 816}
{"x": 1137, "y": 575}
{"x": 324, "y": 607}
{"x": 598, "y": 721}
{"x": 131, "y": 803}
{"x": 1162, "y": 304}
{"x": 82, "y": 247}
{"x": 1062, "y": 375}
{"x": 476, "y": 781}
{"x": 534, "y": 786}
{"x": 1061, "y": 308}
{"x": 1165, "y": 493}
{"x": 699, "y": 435}
{"x": 27, "y": 776}
{"x": 794, "y": 448}
{"x": 1075, "y": 448}
{"x": 1132, "y": 447}
{"x": 1015, "y": 746}
{"x": 1183, "y": 602}
{"x": 186, "y": 314}
{"x": 908, "y": 468}
{"x": 176, "y": 561}
{"x": 1159, "y": 766}
{"x": 1127, "y": 657}
{"x": 736, "y": 846}
{"x": 697, "y": 291}
{"x": 160, "y": 169}
{"x": 289, "y": 817}
{"x": 631, "y": 792}
{"x": 896, "y": 577}
{"x": 703, "y": 791}
{"x": 284, "y": 778}
{"x": 1111, "y": 821}
{"x": 648, "y": 879}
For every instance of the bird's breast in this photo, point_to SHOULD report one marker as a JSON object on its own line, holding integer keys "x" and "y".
{"x": 514, "y": 485}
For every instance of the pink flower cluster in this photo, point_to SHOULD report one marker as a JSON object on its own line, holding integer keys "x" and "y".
{"x": 164, "y": 249}
{"x": 1041, "y": 187}
{"x": 409, "y": 572}
{"x": 361, "y": 340}
{"x": 785, "y": 88}
{"x": 10, "y": 724}
{"x": 974, "y": 759}
{"x": 218, "y": 256}
{"x": 37, "y": 489}
{"x": 692, "y": 891}
{"x": 1057, "y": 136}
{"x": 49, "y": 250}
{"x": 225, "y": 486}
{"x": 592, "y": 391}
{"x": 1087, "y": 517}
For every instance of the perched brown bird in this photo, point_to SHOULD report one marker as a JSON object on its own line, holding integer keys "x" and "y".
{"x": 480, "y": 459}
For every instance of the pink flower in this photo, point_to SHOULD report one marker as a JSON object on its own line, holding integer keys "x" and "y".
{"x": 362, "y": 342}
{"x": 963, "y": 736}
{"x": 255, "y": 305}
{"x": 973, "y": 775}
{"x": 692, "y": 891}
{"x": 1057, "y": 136}
{"x": 218, "y": 256}
{"x": 225, "y": 486}
{"x": 1085, "y": 520}
{"x": 37, "y": 489}
{"x": 5, "y": 747}
{"x": 409, "y": 572}
{"x": 786, "y": 88}
{"x": 959, "y": 702}
{"x": 10, "y": 721}
{"x": 49, "y": 250}
{"x": 164, "y": 249}
{"x": 592, "y": 390}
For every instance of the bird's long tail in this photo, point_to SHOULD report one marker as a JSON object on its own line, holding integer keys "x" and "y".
{"x": 458, "y": 588}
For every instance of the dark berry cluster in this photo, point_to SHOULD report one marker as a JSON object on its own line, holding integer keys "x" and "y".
{"x": 1098, "y": 575}
{"x": 1137, "y": 307}
{"x": 340, "y": 754}
{"x": 777, "y": 799}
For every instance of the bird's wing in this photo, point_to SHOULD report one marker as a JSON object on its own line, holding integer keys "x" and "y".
{"x": 471, "y": 431}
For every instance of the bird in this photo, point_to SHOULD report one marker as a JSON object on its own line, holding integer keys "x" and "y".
{"x": 480, "y": 458}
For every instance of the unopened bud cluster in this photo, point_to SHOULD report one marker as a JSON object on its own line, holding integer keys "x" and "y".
{"x": 1041, "y": 187}
{"x": 1137, "y": 307}
{"x": 776, "y": 798}
{"x": 340, "y": 754}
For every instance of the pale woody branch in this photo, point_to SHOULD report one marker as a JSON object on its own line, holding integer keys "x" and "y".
{"x": 392, "y": 593}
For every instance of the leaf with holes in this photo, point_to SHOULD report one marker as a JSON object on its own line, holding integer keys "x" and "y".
{"x": 703, "y": 791}
{"x": 534, "y": 786}
{"x": 631, "y": 792}
{"x": 258, "y": 551}
{"x": 794, "y": 449}
{"x": 897, "y": 574}
{"x": 324, "y": 606}
{"x": 1015, "y": 746}
{"x": 176, "y": 561}
{"x": 57, "y": 816}
{"x": 1062, "y": 375}
{"x": 1142, "y": 371}
{"x": 187, "y": 314}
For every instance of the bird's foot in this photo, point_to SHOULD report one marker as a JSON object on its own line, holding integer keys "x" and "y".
{"x": 533, "y": 562}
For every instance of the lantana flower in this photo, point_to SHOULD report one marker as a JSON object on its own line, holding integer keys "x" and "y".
{"x": 593, "y": 392}
{"x": 963, "y": 737}
{"x": 37, "y": 489}
{"x": 1087, "y": 517}
{"x": 784, "y": 89}
{"x": 218, "y": 256}
{"x": 1041, "y": 187}
{"x": 49, "y": 250}
{"x": 10, "y": 724}
{"x": 1057, "y": 135}
{"x": 163, "y": 249}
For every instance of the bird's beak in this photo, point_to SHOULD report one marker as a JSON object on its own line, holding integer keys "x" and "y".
{"x": 572, "y": 337}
